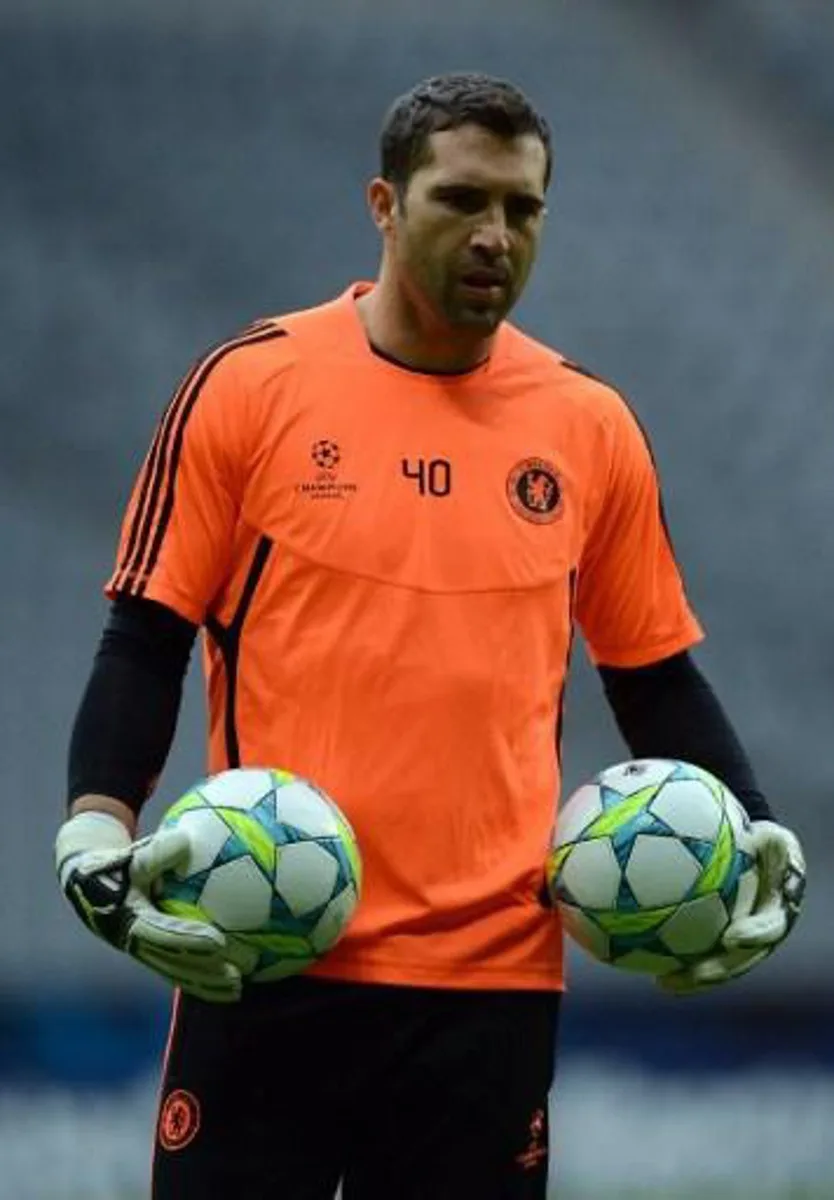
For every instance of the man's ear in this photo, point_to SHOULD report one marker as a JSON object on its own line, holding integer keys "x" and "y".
{"x": 383, "y": 203}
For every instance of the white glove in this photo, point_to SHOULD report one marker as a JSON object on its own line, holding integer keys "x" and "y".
{"x": 107, "y": 879}
{"x": 748, "y": 940}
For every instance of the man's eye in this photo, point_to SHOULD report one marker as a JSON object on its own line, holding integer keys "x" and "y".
{"x": 522, "y": 210}
{"x": 463, "y": 201}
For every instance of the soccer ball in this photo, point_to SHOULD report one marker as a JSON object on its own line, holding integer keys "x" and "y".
{"x": 273, "y": 863}
{"x": 652, "y": 860}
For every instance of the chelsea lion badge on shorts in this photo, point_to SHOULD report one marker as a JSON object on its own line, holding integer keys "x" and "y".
{"x": 179, "y": 1120}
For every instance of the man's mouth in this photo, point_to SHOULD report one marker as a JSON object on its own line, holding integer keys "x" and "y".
{"x": 485, "y": 277}
{"x": 485, "y": 280}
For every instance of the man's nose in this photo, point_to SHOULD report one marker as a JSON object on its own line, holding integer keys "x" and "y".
{"x": 492, "y": 236}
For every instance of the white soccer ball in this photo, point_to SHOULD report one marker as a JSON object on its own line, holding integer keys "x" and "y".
{"x": 651, "y": 861}
{"x": 273, "y": 863}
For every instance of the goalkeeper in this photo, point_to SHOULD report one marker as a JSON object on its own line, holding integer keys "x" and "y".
{"x": 388, "y": 515}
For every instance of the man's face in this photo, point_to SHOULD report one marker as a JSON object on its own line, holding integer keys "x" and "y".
{"x": 464, "y": 237}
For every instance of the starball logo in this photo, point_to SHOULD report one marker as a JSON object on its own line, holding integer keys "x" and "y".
{"x": 326, "y": 454}
{"x": 326, "y": 484}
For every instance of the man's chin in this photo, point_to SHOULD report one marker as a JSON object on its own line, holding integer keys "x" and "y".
{"x": 483, "y": 318}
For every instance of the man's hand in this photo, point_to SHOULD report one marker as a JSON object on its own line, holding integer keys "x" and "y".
{"x": 108, "y": 880}
{"x": 748, "y": 940}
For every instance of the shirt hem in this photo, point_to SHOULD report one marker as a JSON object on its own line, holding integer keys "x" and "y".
{"x": 650, "y": 654}
{"x": 452, "y": 977}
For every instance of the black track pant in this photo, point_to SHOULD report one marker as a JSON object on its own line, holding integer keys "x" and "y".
{"x": 400, "y": 1093}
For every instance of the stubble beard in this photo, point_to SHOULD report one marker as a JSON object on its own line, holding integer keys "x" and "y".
{"x": 469, "y": 316}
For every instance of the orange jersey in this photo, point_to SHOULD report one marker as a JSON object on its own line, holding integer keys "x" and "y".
{"x": 389, "y": 566}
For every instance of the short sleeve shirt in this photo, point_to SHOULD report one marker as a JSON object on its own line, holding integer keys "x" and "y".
{"x": 389, "y": 567}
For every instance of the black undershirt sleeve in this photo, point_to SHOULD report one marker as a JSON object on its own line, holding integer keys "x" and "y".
{"x": 669, "y": 710}
{"x": 127, "y": 717}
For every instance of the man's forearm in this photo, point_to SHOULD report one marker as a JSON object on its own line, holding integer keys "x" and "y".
{"x": 127, "y": 718}
{"x": 669, "y": 710}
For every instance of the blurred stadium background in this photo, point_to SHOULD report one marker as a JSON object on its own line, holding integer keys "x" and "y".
{"x": 171, "y": 171}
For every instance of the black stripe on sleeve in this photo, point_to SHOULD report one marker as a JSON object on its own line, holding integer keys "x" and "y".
{"x": 560, "y": 707}
{"x": 227, "y": 639}
{"x": 176, "y": 450}
{"x": 151, "y": 483}
{"x": 580, "y": 370}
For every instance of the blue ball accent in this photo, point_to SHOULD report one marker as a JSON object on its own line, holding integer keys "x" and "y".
{"x": 190, "y": 888}
{"x": 626, "y": 900}
{"x": 624, "y": 837}
{"x": 233, "y": 848}
{"x": 609, "y": 797}
{"x": 699, "y": 849}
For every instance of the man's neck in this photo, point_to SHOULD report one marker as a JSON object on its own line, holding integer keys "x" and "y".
{"x": 395, "y": 328}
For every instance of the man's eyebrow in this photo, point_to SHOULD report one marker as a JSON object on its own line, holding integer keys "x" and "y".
{"x": 533, "y": 201}
{"x": 448, "y": 189}
{"x": 459, "y": 186}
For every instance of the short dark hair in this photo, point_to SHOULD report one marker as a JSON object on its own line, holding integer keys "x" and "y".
{"x": 447, "y": 102}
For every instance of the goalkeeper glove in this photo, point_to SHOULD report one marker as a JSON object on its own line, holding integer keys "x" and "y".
{"x": 750, "y": 939}
{"x": 108, "y": 880}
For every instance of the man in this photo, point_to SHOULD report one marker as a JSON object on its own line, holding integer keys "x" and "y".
{"x": 388, "y": 513}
